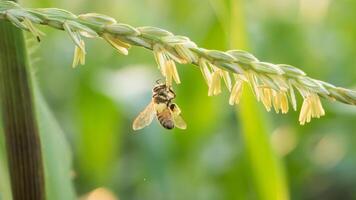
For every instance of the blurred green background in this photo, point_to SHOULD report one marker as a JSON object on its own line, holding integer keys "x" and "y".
{"x": 85, "y": 114}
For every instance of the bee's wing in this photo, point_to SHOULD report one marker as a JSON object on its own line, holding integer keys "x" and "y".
{"x": 145, "y": 117}
{"x": 179, "y": 122}
{"x": 177, "y": 118}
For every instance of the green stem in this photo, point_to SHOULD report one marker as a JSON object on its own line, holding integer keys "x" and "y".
{"x": 20, "y": 127}
{"x": 266, "y": 167}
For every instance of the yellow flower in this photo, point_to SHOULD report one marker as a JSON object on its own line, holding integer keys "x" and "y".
{"x": 311, "y": 108}
{"x": 174, "y": 72}
{"x": 266, "y": 97}
{"x": 212, "y": 76}
{"x": 280, "y": 102}
{"x": 226, "y": 76}
{"x": 252, "y": 79}
{"x": 166, "y": 64}
{"x": 119, "y": 45}
{"x": 205, "y": 71}
{"x": 215, "y": 86}
{"x": 236, "y": 92}
{"x": 79, "y": 51}
{"x": 35, "y": 32}
{"x": 79, "y": 54}
{"x": 283, "y": 102}
{"x": 292, "y": 96}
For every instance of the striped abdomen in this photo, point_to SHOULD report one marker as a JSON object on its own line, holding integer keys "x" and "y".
{"x": 165, "y": 119}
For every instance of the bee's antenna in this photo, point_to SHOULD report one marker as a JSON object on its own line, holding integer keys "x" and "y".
{"x": 159, "y": 81}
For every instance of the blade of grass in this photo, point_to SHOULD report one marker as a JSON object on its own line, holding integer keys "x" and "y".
{"x": 99, "y": 138}
{"x": 57, "y": 156}
{"x": 269, "y": 178}
{"x": 267, "y": 169}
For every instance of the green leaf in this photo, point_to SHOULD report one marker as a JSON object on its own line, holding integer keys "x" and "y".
{"x": 56, "y": 153}
{"x": 99, "y": 136}
{"x": 5, "y": 189}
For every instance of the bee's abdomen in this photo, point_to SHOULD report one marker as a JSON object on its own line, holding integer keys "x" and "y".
{"x": 165, "y": 120}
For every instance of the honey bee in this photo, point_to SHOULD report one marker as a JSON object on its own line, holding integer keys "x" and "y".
{"x": 161, "y": 106}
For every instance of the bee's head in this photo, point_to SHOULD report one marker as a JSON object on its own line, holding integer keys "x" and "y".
{"x": 160, "y": 84}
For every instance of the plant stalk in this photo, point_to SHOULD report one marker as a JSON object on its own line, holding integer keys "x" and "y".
{"x": 20, "y": 127}
{"x": 268, "y": 171}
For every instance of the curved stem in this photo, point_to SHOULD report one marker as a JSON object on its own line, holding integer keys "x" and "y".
{"x": 278, "y": 77}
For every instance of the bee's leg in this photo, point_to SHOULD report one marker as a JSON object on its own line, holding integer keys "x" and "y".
{"x": 171, "y": 106}
{"x": 174, "y": 108}
{"x": 170, "y": 91}
{"x": 174, "y": 94}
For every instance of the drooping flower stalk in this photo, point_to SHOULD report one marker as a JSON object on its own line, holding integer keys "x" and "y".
{"x": 272, "y": 84}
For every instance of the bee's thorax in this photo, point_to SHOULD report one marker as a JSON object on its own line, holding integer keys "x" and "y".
{"x": 163, "y": 94}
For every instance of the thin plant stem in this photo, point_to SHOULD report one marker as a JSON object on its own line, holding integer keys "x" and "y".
{"x": 267, "y": 169}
